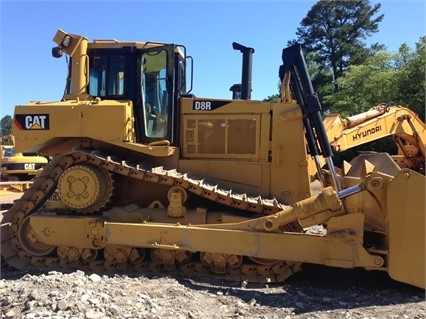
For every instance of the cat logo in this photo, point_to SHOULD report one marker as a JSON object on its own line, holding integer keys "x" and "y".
{"x": 32, "y": 121}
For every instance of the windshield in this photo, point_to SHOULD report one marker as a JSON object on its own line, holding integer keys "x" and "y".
{"x": 154, "y": 93}
{"x": 8, "y": 152}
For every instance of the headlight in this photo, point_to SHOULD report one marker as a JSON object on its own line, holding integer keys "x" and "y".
{"x": 66, "y": 42}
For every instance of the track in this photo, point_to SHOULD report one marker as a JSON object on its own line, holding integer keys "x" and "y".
{"x": 236, "y": 267}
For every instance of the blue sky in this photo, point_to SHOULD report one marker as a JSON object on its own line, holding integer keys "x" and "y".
{"x": 207, "y": 29}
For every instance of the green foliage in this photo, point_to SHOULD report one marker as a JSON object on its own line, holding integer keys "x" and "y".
{"x": 272, "y": 98}
{"x": 365, "y": 85}
{"x": 6, "y": 125}
{"x": 383, "y": 78}
{"x": 321, "y": 78}
{"x": 334, "y": 31}
{"x": 350, "y": 78}
{"x": 410, "y": 78}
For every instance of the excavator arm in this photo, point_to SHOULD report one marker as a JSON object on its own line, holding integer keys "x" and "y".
{"x": 406, "y": 128}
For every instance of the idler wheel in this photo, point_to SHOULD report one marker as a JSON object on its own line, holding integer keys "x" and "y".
{"x": 30, "y": 242}
{"x": 85, "y": 188}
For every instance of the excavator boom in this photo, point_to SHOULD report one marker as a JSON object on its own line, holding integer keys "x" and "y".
{"x": 406, "y": 128}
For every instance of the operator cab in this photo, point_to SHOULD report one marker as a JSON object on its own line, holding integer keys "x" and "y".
{"x": 150, "y": 75}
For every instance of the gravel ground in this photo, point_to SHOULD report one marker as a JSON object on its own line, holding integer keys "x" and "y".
{"x": 315, "y": 292}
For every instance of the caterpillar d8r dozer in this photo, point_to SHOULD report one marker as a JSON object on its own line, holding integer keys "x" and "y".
{"x": 149, "y": 178}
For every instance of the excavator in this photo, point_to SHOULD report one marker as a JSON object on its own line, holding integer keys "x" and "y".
{"x": 146, "y": 177}
{"x": 399, "y": 122}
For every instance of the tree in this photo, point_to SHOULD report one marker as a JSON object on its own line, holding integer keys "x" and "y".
{"x": 334, "y": 30}
{"x": 410, "y": 79}
{"x": 6, "y": 125}
{"x": 366, "y": 85}
{"x": 272, "y": 98}
{"x": 383, "y": 78}
{"x": 360, "y": 88}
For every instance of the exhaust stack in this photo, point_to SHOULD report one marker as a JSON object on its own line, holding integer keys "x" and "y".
{"x": 246, "y": 72}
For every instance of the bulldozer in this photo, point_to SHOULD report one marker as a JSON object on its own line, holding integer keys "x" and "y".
{"x": 148, "y": 178}
{"x": 18, "y": 166}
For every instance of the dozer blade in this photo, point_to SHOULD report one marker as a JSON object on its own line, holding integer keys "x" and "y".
{"x": 396, "y": 207}
{"x": 406, "y": 209}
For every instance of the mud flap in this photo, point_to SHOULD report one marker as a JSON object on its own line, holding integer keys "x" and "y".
{"x": 406, "y": 208}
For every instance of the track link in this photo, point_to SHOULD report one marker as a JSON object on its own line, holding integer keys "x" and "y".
{"x": 45, "y": 185}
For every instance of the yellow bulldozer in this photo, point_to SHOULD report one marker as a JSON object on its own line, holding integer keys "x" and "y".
{"x": 149, "y": 178}
{"x": 18, "y": 166}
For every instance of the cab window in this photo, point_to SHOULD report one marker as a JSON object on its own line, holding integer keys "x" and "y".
{"x": 107, "y": 76}
{"x": 155, "y": 96}
{"x": 8, "y": 152}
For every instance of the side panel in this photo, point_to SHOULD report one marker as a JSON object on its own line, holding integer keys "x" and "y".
{"x": 227, "y": 140}
{"x": 225, "y": 129}
{"x": 222, "y": 136}
{"x": 289, "y": 166}
{"x": 35, "y": 125}
{"x": 406, "y": 206}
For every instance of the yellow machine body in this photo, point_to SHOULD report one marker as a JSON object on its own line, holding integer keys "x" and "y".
{"x": 17, "y": 166}
{"x": 164, "y": 181}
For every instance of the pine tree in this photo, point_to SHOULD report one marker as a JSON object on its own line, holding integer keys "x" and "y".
{"x": 334, "y": 32}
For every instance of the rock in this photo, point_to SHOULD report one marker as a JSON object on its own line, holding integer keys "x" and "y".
{"x": 113, "y": 309}
{"x": 33, "y": 295}
{"x": 79, "y": 273}
{"x": 55, "y": 295}
{"x": 9, "y": 314}
{"x": 252, "y": 302}
{"x": 6, "y": 301}
{"x": 94, "y": 301}
{"x": 95, "y": 278}
{"x": 93, "y": 314}
{"x": 62, "y": 304}
{"x": 84, "y": 297}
